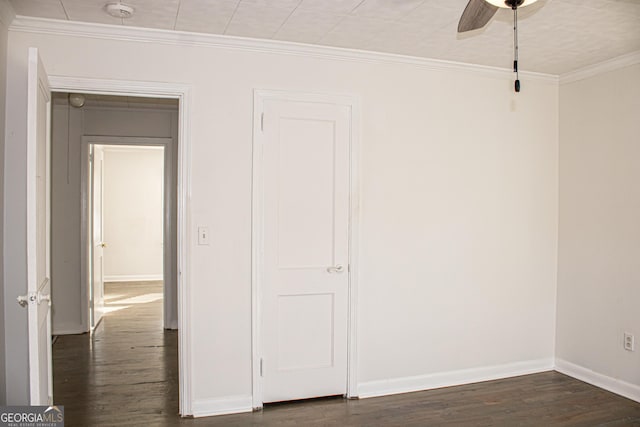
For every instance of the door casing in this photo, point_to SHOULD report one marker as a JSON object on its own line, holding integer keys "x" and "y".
{"x": 90, "y": 296}
{"x": 257, "y": 225}
{"x": 182, "y": 93}
{"x": 86, "y": 225}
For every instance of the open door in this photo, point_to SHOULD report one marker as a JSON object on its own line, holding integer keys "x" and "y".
{"x": 38, "y": 300}
{"x": 97, "y": 237}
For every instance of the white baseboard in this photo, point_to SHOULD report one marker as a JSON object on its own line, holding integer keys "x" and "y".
{"x": 68, "y": 330}
{"x": 623, "y": 388}
{"x": 133, "y": 278}
{"x": 221, "y": 406}
{"x": 173, "y": 325}
{"x": 452, "y": 378}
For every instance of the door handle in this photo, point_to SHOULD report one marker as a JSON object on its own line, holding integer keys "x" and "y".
{"x": 33, "y": 297}
{"x": 336, "y": 269}
{"x": 23, "y": 300}
{"x": 103, "y": 245}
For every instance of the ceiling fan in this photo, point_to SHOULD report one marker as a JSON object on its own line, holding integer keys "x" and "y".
{"x": 479, "y": 12}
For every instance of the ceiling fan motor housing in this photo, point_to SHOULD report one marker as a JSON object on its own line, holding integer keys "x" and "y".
{"x": 513, "y": 4}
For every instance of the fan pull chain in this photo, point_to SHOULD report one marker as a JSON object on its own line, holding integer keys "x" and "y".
{"x": 515, "y": 47}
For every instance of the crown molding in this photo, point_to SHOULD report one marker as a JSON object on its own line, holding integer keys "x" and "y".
{"x": 28, "y": 24}
{"x": 623, "y": 61}
{"x": 7, "y": 14}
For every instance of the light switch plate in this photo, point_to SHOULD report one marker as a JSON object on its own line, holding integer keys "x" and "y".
{"x": 203, "y": 235}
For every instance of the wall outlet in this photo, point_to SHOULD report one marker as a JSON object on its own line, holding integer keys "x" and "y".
{"x": 629, "y": 342}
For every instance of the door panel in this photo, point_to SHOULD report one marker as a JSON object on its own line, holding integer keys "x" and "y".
{"x": 305, "y": 193}
{"x": 306, "y": 249}
{"x": 312, "y": 332}
{"x": 38, "y": 232}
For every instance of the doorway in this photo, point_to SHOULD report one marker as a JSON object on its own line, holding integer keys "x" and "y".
{"x": 78, "y": 126}
{"x": 29, "y": 356}
{"x": 94, "y": 152}
{"x": 96, "y": 121}
{"x": 126, "y": 223}
{"x": 128, "y": 185}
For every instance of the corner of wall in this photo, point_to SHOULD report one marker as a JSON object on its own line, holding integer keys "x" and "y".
{"x": 601, "y": 68}
{"x": 597, "y": 233}
{"x": 620, "y": 387}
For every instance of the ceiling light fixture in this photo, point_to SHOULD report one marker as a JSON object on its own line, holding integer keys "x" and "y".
{"x": 479, "y": 12}
{"x": 76, "y": 100}
{"x": 119, "y": 10}
{"x": 508, "y": 4}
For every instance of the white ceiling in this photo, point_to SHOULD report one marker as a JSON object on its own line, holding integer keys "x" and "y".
{"x": 556, "y": 36}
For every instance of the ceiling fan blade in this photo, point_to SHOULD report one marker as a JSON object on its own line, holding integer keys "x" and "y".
{"x": 476, "y": 15}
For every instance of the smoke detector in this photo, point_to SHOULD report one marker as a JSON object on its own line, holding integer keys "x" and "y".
{"x": 119, "y": 10}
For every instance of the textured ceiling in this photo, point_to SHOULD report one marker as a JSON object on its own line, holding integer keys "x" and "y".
{"x": 556, "y": 36}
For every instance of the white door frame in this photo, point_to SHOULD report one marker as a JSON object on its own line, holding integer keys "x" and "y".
{"x": 167, "y": 218}
{"x": 86, "y": 225}
{"x": 182, "y": 93}
{"x": 87, "y": 235}
{"x": 257, "y": 232}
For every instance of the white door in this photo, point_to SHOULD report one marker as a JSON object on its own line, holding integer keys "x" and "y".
{"x": 306, "y": 149}
{"x": 38, "y": 233}
{"x": 97, "y": 235}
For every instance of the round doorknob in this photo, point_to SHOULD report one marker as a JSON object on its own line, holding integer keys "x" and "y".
{"x": 103, "y": 245}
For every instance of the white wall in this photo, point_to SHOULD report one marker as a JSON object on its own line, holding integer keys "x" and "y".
{"x": 69, "y": 125}
{"x": 133, "y": 213}
{"x": 6, "y": 16}
{"x": 599, "y": 246}
{"x": 15, "y": 213}
{"x": 459, "y": 206}
{"x": 66, "y": 136}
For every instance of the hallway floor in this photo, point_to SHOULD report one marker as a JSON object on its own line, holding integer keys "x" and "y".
{"x": 126, "y": 374}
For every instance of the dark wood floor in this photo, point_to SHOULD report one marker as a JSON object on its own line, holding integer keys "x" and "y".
{"x": 126, "y": 375}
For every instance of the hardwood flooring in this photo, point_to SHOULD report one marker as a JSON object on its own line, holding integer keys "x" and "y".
{"x": 126, "y": 374}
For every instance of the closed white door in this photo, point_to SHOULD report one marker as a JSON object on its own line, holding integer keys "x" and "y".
{"x": 306, "y": 149}
{"x": 98, "y": 244}
{"x": 38, "y": 298}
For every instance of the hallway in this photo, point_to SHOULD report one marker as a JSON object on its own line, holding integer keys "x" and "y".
{"x": 127, "y": 372}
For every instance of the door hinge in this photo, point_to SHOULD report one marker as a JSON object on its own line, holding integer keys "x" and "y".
{"x": 261, "y": 367}
{"x": 90, "y": 157}
{"x": 262, "y": 122}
